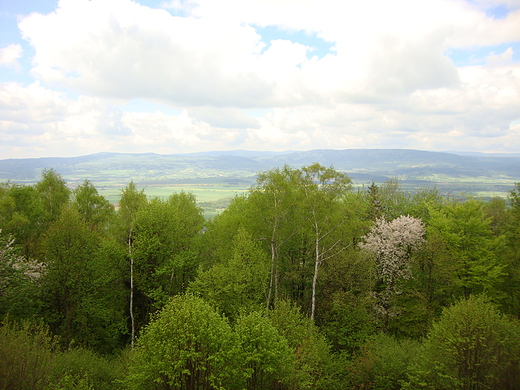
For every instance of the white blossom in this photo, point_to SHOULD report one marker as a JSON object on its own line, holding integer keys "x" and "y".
{"x": 392, "y": 243}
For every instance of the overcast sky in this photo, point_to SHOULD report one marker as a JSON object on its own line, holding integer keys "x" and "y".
{"x": 80, "y": 77}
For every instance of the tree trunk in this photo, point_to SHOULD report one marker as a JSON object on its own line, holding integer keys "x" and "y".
{"x": 132, "y": 321}
{"x": 315, "y": 277}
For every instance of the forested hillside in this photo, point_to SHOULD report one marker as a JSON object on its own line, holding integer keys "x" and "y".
{"x": 304, "y": 282}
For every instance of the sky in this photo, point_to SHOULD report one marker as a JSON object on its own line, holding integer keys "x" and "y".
{"x": 85, "y": 76}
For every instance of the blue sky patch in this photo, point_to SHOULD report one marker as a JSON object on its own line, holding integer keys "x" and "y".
{"x": 321, "y": 46}
{"x": 477, "y": 55}
{"x": 498, "y": 12}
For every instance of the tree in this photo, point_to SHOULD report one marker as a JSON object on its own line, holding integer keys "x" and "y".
{"x": 238, "y": 284}
{"x": 311, "y": 350}
{"x": 94, "y": 208}
{"x": 18, "y": 278}
{"x": 322, "y": 190}
{"x": 392, "y": 243}
{"x": 381, "y": 363}
{"x": 53, "y": 194}
{"x": 27, "y": 356}
{"x": 472, "y": 346}
{"x": 265, "y": 353}
{"x": 130, "y": 202}
{"x": 188, "y": 346}
{"x": 274, "y": 199}
{"x": 164, "y": 254}
{"x": 80, "y": 285}
{"x": 466, "y": 232}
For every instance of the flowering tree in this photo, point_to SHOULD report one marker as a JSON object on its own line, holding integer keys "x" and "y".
{"x": 392, "y": 244}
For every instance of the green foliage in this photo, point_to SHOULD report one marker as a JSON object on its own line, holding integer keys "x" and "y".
{"x": 18, "y": 280}
{"x": 79, "y": 368}
{"x": 348, "y": 322}
{"x": 472, "y": 346}
{"x": 21, "y": 213}
{"x": 187, "y": 346}
{"x": 53, "y": 194}
{"x": 163, "y": 237}
{"x": 312, "y": 356}
{"x": 466, "y": 233}
{"x": 94, "y": 208}
{"x": 240, "y": 283}
{"x": 381, "y": 363}
{"x": 26, "y": 356}
{"x": 266, "y": 356}
{"x": 80, "y": 285}
{"x": 295, "y": 236}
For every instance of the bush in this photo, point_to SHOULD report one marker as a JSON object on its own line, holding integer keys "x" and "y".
{"x": 187, "y": 346}
{"x": 381, "y": 363}
{"x": 26, "y": 356}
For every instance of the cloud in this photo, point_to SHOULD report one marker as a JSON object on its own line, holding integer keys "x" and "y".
{"x": 9, "y": 56}
{"x": 117, "y": 48}
{"x": 388, "y": 82}
{"x": 224, "y": 117}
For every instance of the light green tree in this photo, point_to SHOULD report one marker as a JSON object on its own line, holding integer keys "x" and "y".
{"x": 188, "y": 346}
{"x": 466, "y": 232}
{"x": 238, "y": 284}
{"x": 95, "y": 209}
{"x": 268, "y": 361}
{"x": 471, "y": 347}
{"x": 130, "y": 202}
{"x": 322, "y": 191}
{"x": 53, "y": 194}
{"x": 274, "y": 202}
{"x": 165, "y": 260}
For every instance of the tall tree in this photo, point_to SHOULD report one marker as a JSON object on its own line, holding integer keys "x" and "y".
{"x": 274, "y": 200}
{"x": 238, "y": 284}
{"x": 466, "y": 231}
{"x": 323, "y": 190}
{"x": 164, "y": 253}
{"x": 130, "y": 202}
{"x": 78, "y": 286}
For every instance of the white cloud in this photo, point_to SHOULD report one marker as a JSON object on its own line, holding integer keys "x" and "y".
{"x": 387, "y": 83}
{"x": 9, "y": 56}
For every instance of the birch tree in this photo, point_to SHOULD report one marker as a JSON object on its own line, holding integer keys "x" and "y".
{"x": 274, "y": 199}
{"x": 129, "y": 204}
{"x": 322, "y": 190}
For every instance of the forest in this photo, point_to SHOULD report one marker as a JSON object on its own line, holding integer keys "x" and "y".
{"x": 303, "y": 282}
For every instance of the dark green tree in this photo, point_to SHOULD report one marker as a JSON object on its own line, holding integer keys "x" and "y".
{"x": 165, "y": 260}
{"x": 80, "y": 292}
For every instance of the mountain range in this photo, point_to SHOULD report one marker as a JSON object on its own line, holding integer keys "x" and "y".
{"x": 363, "y": 165}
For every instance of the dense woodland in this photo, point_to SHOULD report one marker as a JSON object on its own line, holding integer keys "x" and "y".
{"x": 302, "y": 283}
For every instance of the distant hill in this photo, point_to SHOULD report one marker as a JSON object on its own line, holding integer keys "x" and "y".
{"x": 414, "y": 167}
